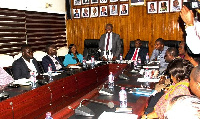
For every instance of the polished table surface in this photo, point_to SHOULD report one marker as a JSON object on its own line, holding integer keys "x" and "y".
{"x": 68, "y": 89}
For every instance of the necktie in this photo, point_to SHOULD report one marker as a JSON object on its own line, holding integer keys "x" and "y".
{"x": 108, "y": 41}
{"x": 135, "y": 54}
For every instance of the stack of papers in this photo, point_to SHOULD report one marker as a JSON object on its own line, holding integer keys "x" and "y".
{"x": 75, "y": 67}
{"x": 22, "y": 81}
{"x": 147, "y": 80}
{"x": 151, "y": 67}
{"x": 113, "y": 115}
{"x": 53, "y": 74}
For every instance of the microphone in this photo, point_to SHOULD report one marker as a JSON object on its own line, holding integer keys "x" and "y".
{"x": 109, "y": 104}
{"x": 85, "y": 111}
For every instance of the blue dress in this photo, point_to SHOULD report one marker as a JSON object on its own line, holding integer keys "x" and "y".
{"x": 70, "y": 60}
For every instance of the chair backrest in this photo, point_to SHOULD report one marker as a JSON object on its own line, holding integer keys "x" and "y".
{"x": 17, "y": 56}
{"x": 144, "y": 44}
{"x": 38, "y": 55}
{"x": 62, "y": 51}
{"x": 6, "y": 60}
{"x": 91, "y": 48}
{"x": 172, "y": 43}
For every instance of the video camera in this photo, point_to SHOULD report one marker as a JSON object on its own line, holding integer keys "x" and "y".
{"x": 192, "y": 4}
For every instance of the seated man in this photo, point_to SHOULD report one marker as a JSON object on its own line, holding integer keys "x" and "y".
{"x": 195, "y": 81}
{"x": 137, "y": 51}
{"x": 24, "y": 65}
{"x": 5, "y": 78}
{"x": 51, "y": 58}
{"x": 171, "y": 54}
{"x": 159, "y": 53}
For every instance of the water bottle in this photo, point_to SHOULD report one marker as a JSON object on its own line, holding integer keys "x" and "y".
{"x": 84, "y": 62}
{"x": 50, "y": 71}
{"x": 139, "y": 61}
{"x": 147, "y": 58}
{"x": 48, "y": 115}
{"x": 121, "y": 58}
{"x": 123, "y": 98}
{"x": 147, "y": 77}
{"x": 33, "y": 80}
{"x": 92, "y": 62}
{"x": 111, "y": 81}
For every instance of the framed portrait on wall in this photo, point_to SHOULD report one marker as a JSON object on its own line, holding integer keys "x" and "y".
{"x": 176, "y": 5}
{"x": 94, "y": 12}
{"x": 85, "y": 12}
{"x": 77, "y": 2}
{"x": 113, "y": 10}
{"x": 138, "y": 2}
{"x": 103, "y": 11}
{"x": 113, "y": 0}
{"x": 94, "y": 1}
{"x": 152, "y": 7}
{"x": 84, "y": 2}
{"x": 123, "y": 9}
{"x": 76, "y": 13}
{"x": 103, "y": 1}
{"x": 163, "y": 6}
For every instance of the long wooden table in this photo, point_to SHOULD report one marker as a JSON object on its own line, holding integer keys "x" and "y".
{"x": 64, "y": 94}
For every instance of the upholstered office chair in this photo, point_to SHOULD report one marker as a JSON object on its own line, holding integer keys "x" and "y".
{"x": 91, "y": 49}
{"x": 61, "y": 52}
{"x": 38, "y": 55}
{"x": 172, "y": 43}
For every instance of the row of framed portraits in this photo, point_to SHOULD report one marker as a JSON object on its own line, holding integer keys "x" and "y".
{"x": 101, "y": 11}
{"x": 164, "y": 6}
{"x": 87, "y": 2}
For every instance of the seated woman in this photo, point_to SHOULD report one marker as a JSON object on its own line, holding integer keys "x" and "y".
{"x": 184, "y": 54}
{"x": 73, "y": 58}
{"x": 179, "y": 70}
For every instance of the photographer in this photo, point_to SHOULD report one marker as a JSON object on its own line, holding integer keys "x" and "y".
{"x": 192, "y": 29}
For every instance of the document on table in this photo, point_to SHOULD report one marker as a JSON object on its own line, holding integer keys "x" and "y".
{"x": 147, "y": 80}
{"x": 114, "y": 115}
{"x": 151, "y": 67}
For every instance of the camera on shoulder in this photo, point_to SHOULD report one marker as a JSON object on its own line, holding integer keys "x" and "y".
{"x": 192, "y": 4}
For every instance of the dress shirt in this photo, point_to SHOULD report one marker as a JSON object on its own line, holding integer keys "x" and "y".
{"x": 110, "y": 41}
{"x": 193, "y": 37}
{"x": 138, "y": 49}
{"x": 30, "y": 65}
{"x": 156, "y": 54}
{"x": 56, "y": 63}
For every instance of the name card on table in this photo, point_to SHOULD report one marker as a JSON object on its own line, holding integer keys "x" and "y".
{"x": 147, "y": 80}
{"x": 113, "y": 115}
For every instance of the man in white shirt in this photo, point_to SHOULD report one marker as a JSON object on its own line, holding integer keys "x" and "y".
{"x": 51, "y": 58}
{"x": 192, "y": 29}
{"x": 110, "y": 42}
{"x": 24, "y": 65}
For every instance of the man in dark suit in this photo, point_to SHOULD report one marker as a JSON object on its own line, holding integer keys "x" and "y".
{"x": 103, "y": 11}
{"x": 137, "y": 51}
{"x": 24, "y": 65}
{"x": 76, "y": 13}
{"x": 110, "y": 42}
{"x": 51, "y": 58}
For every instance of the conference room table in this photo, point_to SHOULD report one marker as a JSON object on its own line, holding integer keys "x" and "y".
{"x": 63, "y": 94}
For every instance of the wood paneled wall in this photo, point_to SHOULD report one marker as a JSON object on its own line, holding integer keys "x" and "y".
{"x": 138, "y": 24}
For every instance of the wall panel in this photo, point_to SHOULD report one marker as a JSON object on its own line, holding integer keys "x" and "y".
{"x": 138, "y": 24}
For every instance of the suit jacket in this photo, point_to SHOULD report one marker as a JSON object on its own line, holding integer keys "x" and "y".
{"x": 116, "y": 44}
{"x": 76, "y": 15}
{"x": 21, "y": 70}
{"x": 46, "y": 60}
{"x": 103, "y": 13}
{"x": 142, "y": 53}
{"x": 125, "y": 12}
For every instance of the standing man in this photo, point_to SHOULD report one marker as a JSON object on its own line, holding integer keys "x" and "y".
{"x": 24, "y": 65}
{"x": 159, "y": 54}
{"x": 51, "y": 58}
{"x": 110, "y": 42}
{"x": 137, "y": 51}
